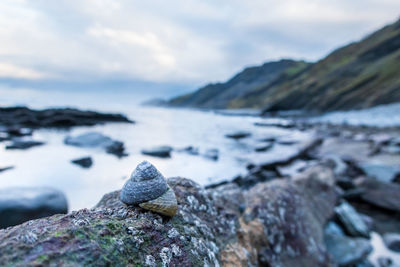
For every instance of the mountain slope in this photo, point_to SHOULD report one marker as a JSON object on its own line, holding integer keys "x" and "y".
{"x": 359, "y": 75}
{"x": 222, "y": 95}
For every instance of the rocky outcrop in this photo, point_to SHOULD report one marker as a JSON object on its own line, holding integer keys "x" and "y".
{"x": 25, "y": 117}
{"x": 278, "y": 223}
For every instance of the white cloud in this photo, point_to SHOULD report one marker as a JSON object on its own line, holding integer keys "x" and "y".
{"x": 177, "y": 40}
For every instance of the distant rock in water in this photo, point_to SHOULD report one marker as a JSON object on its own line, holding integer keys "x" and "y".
{"x": 160, "y": 151}
{"x": 238, "y": 135}
{"x": 20, "y": 204}
{"x": 155, "y": 102}
{"x": 97, "y": 140}
{"x": 18, "y": 143}
{"x": 67, "y": 117}
{"x": 3, "y": 169}
{"x": 85, "y": 162}
{"x": 212, "y": 154}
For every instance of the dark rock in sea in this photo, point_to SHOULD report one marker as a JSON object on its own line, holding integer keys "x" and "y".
{"x": 238, "y": 135}
{"x": 18, "y": 143}
{"x": 25, "y": 117}
{"x": 392, "y": 241}
{"x": 212, "y": 154}
{"x": 281, "y": 224}
{"x": 3, "y": 169}
{"x": 281, "y": 124}
{"x": 347, "y": 251}
{"x": 385, "y": 262}
{"x": 380, "y": 194}
{"x": 352, "y": 222}
{"x": 384, "y": 173}
{"x": 20, "y": 204}
{"x": 18, "y": 131}
{"x": 190, "y": 150}
{"x": 160, "y": 151}
{"x": 85, "y": 162}
{"x": 97, "y": 140}
{"x": 264, "y": 147}
{"x": 254, "y": 177}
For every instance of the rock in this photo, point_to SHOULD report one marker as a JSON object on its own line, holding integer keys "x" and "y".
{"x": 6, "y": 168}
{"x": 280, "y": 225}
{"x": 97, "y": 140}
{"x": 238, "y": 135}
{"x": 339, "y": 165}
{"x": 347, "y": 251}
{"x": 384, "y": 173}
{"x": 20, "y": 204}
{"x": 160, "y": 151}
{"x": 351, "y": 220}
{"x": 280, "y": 124}
{"x": 263, "y": 147}
{"x": 85, "y": 162}
{"x": 18, "y": 143}
{"x": 333, "y": 229}
{"x": 392, "y": 241}
{"x": 380, "y": 194}
{"x": 22, "y": 116}
{"x": 254, "y": 177}
{"x": 212, "y": 154}
{"x": 385, "y": 262}
{"x": 190, "y": 150}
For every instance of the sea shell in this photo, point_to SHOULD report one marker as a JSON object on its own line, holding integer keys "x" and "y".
{"x": 165, "y": 204}
{"x": 148, "y": 188}
{"x": 146, "y": 183}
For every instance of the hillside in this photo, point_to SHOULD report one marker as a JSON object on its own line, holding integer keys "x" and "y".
{"x": 359, "y": 75}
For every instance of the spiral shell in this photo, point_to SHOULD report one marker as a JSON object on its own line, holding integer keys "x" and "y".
{"x": 148, "y": 188}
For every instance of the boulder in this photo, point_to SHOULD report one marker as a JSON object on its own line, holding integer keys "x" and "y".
{"x": 97, "y": 140}
{"x": 392, "y": 241}
{"x": 85, "y": 162}
{"x": 190, "y": 150}
{"x": 238, "y": 135}
{"x": 3, "y": 169}
{"x": 278, "y": 223}
{"x": 160, "y": 151}
{"x": 263, "y": 147}
{"x": 347, "y": 251}
{"x": 212, "y": 154}
{"x": 18, "y": 143}
{"x": 384, "y": 173}
{"x": 20, "y": 204}
{"x": 351, "y": 220}
{"x": 380, "y": 194}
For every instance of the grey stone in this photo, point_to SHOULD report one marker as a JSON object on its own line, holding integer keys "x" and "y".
{"x": 18, "y": 143}
{"x": 384, "y": 173}
{"x": 85, "y": 162}
{"x": 20, "y": 204}
{"x": 392, "y": 241}
{"x": 160, "y": 151}
{"x": 351, "y": 220}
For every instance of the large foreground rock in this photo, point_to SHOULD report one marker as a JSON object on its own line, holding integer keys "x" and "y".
{"x": 279, "y": 223}
{"x": 20, "y": 204}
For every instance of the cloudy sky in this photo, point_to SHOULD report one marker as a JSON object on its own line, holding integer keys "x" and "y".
{"x": 175, "y": 41}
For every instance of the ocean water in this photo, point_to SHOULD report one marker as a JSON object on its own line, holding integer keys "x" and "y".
{"x": 49, "y": 165}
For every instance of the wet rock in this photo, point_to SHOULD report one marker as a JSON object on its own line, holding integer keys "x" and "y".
{"x": 85, "y": 162}
{"x": 20, "y": 204}
{"x": 18, "y": 143}
{"x": 254, "y": 177}
{"x": 385, "y": 262}
{"x": 347, "y": 251}
{"x": 384, "y": 173}
{"x": 281, "y": 224}
{"x": 339, "y": 166}
{"x": 97, "y": 140}
{"x": 212, "y": 154}
{"x": 351, "y": 220}
{"x": 160, "y": 151}
{"x": 3, "y": 169}
{"x": 392, "y": 241}
{"x": 380, "y": 194}
{"x": 238, "y": 135}
{"x": 333, "y": 228}
{"x": 190, "y": 150}
{"x": 263, "y": 147}
{"x": 22, "y": 116}
{"x": 280, "y": 124}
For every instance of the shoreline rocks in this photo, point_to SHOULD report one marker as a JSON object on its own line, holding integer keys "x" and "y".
{"x": 160, "y": 151}
{"x": 85, "y": 162}
{"x": 20, "y": 204}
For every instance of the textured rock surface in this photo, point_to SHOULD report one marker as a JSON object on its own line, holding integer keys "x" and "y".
{"x": 19, "y": 204}
{"x": 278, "y": 223}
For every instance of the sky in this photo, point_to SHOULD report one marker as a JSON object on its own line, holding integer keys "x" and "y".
{"x": 176, "y": 41}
